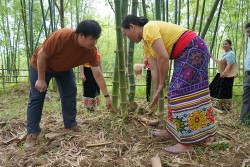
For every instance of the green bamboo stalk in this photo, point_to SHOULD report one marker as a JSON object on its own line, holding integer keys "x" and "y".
{"x": 131, "y": 77}
{"x": 209, "y": 20}
{"x": 77, "y": 12}
{"x": 216, "y": 26}
{"x": 62, "y": 13}
{"x": 196, "y": 15}
{"x": 116, "y": 84}
{"x": 51, "y": 15}
{"x": 7, "y": 37}
{"x": 124, "y": 11}
{"x": 158, "y": 9}
{"x": 121, "y": 62}
{"x": 179, "y": 13}
{"x": 161, "y": 98}
{"x": 237, "y": 29}
{"x": 175, "y": 11}
{"x": 24, "y": 17}
{"x": 167, "y": 11}
{"x": 144, "y": 8}
{"x": 124, "y": 8}
{"x": 31, "y": 6}
{"x": 202, "y": 14}
{"x": 17, "y": 44}
{"x": 163, "y": 10}
{"x": 44, "y": 18}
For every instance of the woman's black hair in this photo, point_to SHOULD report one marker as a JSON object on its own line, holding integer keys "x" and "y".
{"x": 229, "y": 42}
{"x": 89, "y": 28}
{"x": 132, "y": 19}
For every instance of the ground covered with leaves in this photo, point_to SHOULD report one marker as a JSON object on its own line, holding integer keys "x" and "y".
{"x": 108, "y": 139}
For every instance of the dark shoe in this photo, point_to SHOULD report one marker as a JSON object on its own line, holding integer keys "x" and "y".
{"x": 31, "y": 140}
{"x": 75, "y": 128}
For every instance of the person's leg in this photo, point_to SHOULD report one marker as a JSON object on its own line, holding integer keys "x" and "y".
{"x": 90, "y": 90}
{"x": 35, "y": 105}
{"x": 67, "y": 89}
{"x": 34, "y": 109}
{"x": 245, "y": 110}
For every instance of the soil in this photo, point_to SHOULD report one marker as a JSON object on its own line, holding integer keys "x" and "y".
{"x": 111, "y": 140}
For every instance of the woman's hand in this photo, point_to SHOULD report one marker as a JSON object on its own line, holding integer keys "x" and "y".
{"x": 83, "y": 77}
{"x": 157, "y": 95}
{"x": 223, "y": 74}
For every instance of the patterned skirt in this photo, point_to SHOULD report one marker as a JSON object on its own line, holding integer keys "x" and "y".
{"x": 221, "y": 91}
{"x": 190, "y": 113}
{"x": 91, "y": 90}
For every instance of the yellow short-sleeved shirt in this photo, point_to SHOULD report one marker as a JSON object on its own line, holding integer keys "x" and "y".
{"x": 169, "y": 33}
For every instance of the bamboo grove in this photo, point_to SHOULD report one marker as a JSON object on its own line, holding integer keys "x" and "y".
{"x": 25, "y": 24}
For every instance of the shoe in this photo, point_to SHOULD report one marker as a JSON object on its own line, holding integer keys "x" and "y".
{"x": 175, "y": 150}
{"x": 31, "y": 140}
{"x": 75, "y": 128}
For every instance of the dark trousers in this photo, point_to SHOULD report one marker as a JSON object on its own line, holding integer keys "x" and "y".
{"x": 245, "y": 110}
{"x": 148, "y": 85}
{"x": 67, "y": 88}
{"x": 90, "y": 87}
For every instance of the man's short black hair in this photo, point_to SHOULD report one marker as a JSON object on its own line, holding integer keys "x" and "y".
{"x": 248, "y": 25}
{"x": 89, "y": 28}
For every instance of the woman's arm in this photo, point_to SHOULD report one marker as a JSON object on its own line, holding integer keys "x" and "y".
{"x": 226, "y": 70}
{"x": 162, "y": 57}
{"x": 154, "y": 72}
{"x": 215, "y": 59}
{"x": 82, "y": 76}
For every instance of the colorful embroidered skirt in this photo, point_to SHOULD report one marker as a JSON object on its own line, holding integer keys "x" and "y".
{"x": 91, "y": 90}
{"x": 221, "y": 91}
{"x": 191, "y": 117}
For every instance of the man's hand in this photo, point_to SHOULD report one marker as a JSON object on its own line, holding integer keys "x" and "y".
{"x": 41, "y": 86}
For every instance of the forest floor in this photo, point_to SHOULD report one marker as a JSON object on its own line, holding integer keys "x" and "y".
{"x": 110, "y": 140}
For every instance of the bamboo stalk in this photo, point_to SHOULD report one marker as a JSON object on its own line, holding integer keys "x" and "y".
{"x": 121, "y": 62}
{"x": 131, "y": 77}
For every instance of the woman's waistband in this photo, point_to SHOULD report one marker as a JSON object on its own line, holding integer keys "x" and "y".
{"x": 182, "y": 42}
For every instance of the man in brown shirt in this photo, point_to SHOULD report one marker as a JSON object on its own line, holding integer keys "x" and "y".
{"x": 63, "y": 50}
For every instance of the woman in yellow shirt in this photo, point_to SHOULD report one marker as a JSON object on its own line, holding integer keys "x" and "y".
{"x": 190, "y": 112}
